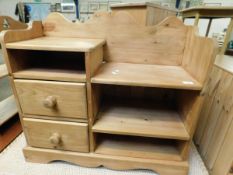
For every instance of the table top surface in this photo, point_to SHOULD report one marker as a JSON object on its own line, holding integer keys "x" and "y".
{"x": 215, "y": 8}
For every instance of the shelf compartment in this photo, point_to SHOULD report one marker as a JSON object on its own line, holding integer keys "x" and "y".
{"x": 138, "y": 147}
{"x": 7, "y": 109}
{"x": 140, "y": 118}
{"x": 145, "y": 75}
{"x": 3, "y": 71}
{"x": 57, "y": 44}
{"x": 48, "y": 65}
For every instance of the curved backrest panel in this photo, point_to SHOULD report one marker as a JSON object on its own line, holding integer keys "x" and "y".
{"x": 126, "y": 40}
{"x": 7, "y": 23}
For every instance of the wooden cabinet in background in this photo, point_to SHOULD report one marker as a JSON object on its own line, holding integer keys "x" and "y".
{"x": 145, "y": 13}
{"x": 214, "y": 135}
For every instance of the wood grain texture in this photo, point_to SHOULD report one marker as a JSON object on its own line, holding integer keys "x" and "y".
{"x": 138, "y": 13}
{"x": 168, "y": 56}
{"x": 157, "y": 13}
{"x": 71, "y": 98}
{"x": 57, "y": 44}
{"x": 138, "y": 147}
{"x": 163, "y": 167}
{"x": 225, "y": 157}
{"x": 93, "y": 61}
{"x": 51, "y": 74}
{"x": 145, "y": 75}
{"x": 8, "y": 23}
{"x": 73, "y": 136}
{"x": 133, "y": 118}
{"x": 141, "y": 44}
{"x": 199, "y": 55}
{"x": 216, "y": 118}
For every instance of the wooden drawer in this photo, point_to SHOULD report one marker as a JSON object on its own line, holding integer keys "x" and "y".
{"x": 58, "y": 99}
{"x": 57, "y": 134}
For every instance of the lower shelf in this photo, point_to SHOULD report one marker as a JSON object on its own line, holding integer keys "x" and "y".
{"x": 139, "y": 147}
{"x": 128, "y": 117}
{"x": 162, "y": 167}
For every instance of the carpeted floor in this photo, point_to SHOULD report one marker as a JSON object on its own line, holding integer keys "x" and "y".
{"x": 12, "y": 163}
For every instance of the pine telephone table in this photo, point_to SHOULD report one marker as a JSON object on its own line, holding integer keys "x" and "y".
{"x": 109, "y": 92}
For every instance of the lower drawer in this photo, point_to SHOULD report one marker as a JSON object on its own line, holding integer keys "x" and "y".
{"x": 57, "y": 134}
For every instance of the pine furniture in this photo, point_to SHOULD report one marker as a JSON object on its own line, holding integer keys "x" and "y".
{"x": 148, "y": 13}
{"x": 9, "y": 123}
{"x": 109, "y": 92}
{"x": 214, "y": 135}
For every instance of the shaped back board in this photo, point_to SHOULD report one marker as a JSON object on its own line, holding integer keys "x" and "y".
{"x": 126, "y": 40}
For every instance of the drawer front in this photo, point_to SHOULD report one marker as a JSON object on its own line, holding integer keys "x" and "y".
{"x": 59, "y": 99}
{"x": 57, "y": 134}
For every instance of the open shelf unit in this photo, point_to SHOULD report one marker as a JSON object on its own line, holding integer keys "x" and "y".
{"x": 133, "y": 119}
{"x": 57, "y": 44}
{"x": 138, "y": 90}
{"x": 48, "y": 65}
{"x": 138, "y": 147}
{"x": 145, "y": 75}
{"x": 140, "y": 119}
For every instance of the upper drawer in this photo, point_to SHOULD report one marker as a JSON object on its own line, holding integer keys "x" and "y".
{"x": 52, "y": 98}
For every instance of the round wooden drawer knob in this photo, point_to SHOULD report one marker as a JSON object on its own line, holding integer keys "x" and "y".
{"x": 55, "y": 139}
{"x": 50, "y": 102}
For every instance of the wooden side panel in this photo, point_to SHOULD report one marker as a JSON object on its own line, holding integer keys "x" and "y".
{"x": 93, "y": 61}
{"x": 222, "y": 125}
{"x": 37, "y": 98}
{"x": 199, "y": 55}
{"x": 163, "y": 167}
{"x": 225, "y": 157}
{"x": 209, "y": 92}
{"x": 56, "y": 134}
{"x": 137, "y": 13}
{"x": 18, "y": 35}
{"x": 216, "y": 119}
{"x": 156, "y": 15}
{"x": 215, "y": 112}
{"x": 8, "y": 23}
{"x": 162, "y": 44}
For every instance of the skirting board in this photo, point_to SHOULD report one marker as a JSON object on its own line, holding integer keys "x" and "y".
{"x": 162, "y": 167}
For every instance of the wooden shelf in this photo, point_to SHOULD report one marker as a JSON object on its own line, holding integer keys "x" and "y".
{"x": 3, "y": 71}
{"x": 145, "y": 75}
{"x": 57, "y": 44}
{"x": 137, "y": 147}
{"x": 51, "y": 74}
{"x": 7, "y": 109}
{"x": 140, "y": 119}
